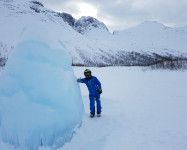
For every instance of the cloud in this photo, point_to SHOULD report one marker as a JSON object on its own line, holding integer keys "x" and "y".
{"x": 122, "y": 14}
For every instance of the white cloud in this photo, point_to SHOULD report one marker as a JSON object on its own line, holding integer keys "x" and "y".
{"x": 85, "y": 10}
{"x": 121, "y": 14}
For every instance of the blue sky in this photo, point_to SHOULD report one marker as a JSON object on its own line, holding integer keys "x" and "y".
{"x": 123, "y": 14}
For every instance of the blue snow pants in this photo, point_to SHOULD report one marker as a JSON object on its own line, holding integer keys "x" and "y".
{"x": 94, "y": 98}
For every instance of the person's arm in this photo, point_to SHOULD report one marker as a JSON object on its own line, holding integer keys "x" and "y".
{"x": 99, "y": 86}
{"x": 81, "y": 80}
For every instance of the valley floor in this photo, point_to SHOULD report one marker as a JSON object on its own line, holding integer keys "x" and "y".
{"x": 142, "y": 110}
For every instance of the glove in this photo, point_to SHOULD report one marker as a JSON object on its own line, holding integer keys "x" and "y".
{"x": 79, "y": 80}
{"x": 100, "y": 91}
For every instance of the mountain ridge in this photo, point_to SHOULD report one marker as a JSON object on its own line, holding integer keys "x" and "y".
{"x": 89, "y": 42}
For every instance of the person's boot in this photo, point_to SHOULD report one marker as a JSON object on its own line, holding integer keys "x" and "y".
{"x": 98, "y": 114}
{"x": 92, "y": 115}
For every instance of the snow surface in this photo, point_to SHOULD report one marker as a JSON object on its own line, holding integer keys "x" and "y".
{"x": 141, "y": 110}
{"x": 40, "y": 101}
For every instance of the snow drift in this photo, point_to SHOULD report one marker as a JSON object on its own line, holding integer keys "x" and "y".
{"x": 40, "y": 101}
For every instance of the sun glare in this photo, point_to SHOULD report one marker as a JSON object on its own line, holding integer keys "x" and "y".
{"x": 86, "y": 10}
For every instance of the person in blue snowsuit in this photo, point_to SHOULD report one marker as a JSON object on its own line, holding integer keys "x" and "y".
{"x": 94, "y": 87}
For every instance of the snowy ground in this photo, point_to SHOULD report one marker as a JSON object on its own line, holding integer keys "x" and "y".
{"x": 141, "y": 111}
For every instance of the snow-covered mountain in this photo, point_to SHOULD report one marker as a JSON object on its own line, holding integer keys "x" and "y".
{"x": 85, "y": 24}
{"x": 88, "y": 40}
{"x": 153, "y": 37}
{"x": 183, "y": 28}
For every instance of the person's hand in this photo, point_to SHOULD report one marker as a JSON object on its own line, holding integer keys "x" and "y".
{"x": 100, "y": 91}
{"x": 79, "y": 80}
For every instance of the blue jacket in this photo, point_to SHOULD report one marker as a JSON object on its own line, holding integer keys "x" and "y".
{"x": 93, "y": 85}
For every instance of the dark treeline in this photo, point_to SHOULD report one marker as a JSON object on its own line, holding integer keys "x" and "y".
{"x": 153, "y": 60}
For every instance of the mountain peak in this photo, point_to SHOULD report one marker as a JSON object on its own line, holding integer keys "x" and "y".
{"x": 152, "y": 24}
{"x": 37, "y": 3}
{"x": 67, "y": 18}
{"x": 86, "y": 23}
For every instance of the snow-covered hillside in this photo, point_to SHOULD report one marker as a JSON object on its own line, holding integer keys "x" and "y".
{"x": 88, "y": 40}
{"x": 19, "y": 16}
{"x": 154, "y": 37}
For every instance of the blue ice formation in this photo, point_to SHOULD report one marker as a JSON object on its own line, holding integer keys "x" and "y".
{"x": 40, "y": 101}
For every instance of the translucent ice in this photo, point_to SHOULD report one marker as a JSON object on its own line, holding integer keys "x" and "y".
{"x": 40, "y": 101}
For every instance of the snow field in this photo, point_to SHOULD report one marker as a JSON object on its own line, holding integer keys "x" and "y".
{"x": 141, "y": 111}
